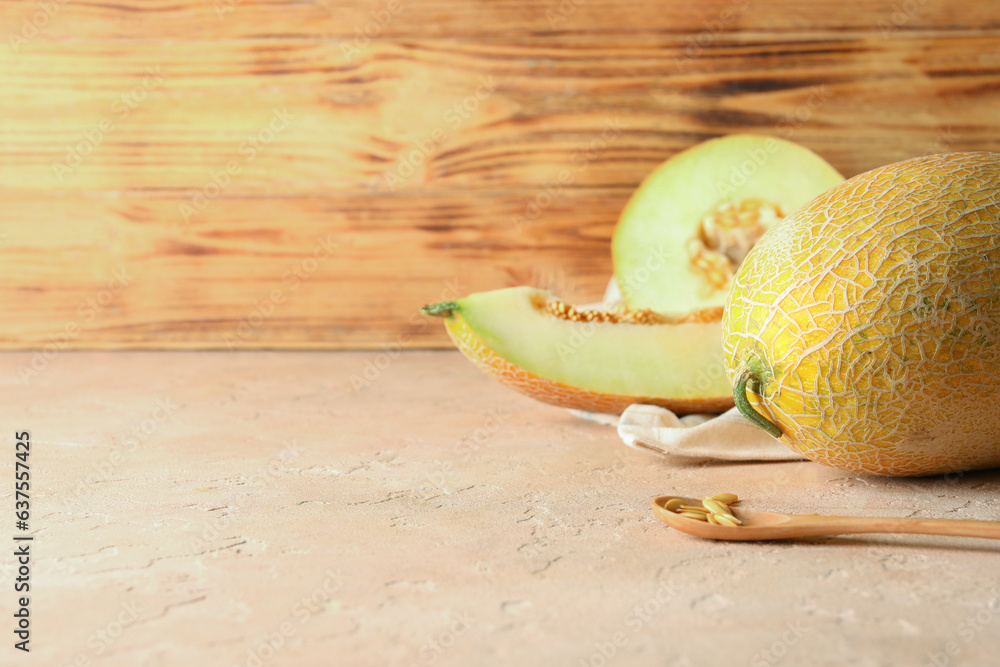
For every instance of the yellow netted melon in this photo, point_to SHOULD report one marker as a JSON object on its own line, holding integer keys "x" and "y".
{"x": 864, "y": 329}
{"x": 590, "y": 359}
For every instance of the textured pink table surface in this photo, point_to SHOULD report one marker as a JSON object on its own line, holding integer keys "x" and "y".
{"x": 264, "y": 509}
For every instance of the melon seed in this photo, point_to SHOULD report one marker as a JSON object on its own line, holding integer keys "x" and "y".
{"x": 716, "y": 507}
{"x": 727, "y": 520}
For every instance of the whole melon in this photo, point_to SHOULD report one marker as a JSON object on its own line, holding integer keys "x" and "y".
{"x": 864, "y": 328}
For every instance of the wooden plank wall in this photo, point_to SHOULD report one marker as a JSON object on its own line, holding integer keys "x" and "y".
{"x": 283, "y": 174}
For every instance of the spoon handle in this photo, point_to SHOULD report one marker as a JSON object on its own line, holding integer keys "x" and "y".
{"x": 957, "y": 527}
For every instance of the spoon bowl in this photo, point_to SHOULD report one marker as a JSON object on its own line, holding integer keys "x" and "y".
{"x": 779, "y": 526}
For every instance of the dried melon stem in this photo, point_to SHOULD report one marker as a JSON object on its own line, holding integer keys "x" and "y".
{"x": 726, "y": 235}
{"x": 621, "y": 314}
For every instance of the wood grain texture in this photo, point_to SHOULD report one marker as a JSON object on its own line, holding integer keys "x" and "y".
{"x": 352, "y": 271}
{"x": 283, "y": 19}
{"x": 207, "y": 156}
{"x": 407, "y": 116}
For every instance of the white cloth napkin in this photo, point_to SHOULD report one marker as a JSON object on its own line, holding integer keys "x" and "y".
{"x": 725, "y": 437}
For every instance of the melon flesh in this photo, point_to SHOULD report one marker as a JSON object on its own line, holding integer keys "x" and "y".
{"x": 661, "y": 247}
{"x": 518, "y": 336}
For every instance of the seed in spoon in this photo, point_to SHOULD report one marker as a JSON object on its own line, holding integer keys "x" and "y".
{"x": 674, "y": 504}
{"x": 716, "y": 507}
{"x": 712, "y": 510}
{"x": 727, "y": 520}
{"x": 695, "y": 508}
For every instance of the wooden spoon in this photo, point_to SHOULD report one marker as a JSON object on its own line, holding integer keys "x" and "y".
{"x": 777, "y": 526}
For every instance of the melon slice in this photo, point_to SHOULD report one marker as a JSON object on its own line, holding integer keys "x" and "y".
{"x": 691, "y": 222}
{"x": 599, "y": 361}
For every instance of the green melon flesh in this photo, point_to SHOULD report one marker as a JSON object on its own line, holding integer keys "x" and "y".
{"x": 672, "y": 360}
{"x": 650, "y": 246}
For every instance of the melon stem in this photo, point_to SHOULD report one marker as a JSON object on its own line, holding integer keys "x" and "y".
{"x": 747, "y": 410}
{"x": 442, "y": 309}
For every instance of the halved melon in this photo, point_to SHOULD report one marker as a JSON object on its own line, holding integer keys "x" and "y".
{"x": 600, "y": 361}
{"x": 691, "y": 222}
